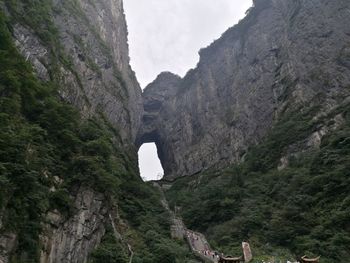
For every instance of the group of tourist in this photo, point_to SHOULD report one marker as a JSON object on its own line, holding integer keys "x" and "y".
{"x": 192, "y": 237}
{"x": 211, "y": 254}
{"x": 203, "y": 248}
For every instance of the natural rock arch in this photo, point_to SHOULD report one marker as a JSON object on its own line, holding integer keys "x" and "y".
{"x": 148, "y": 133}
{"x": 151, "y": 129}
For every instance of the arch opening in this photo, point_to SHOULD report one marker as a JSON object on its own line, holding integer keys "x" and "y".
{"x": 149, "y": 163}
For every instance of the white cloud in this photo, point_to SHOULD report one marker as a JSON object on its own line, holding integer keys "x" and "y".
{"x": 166, "y": 35}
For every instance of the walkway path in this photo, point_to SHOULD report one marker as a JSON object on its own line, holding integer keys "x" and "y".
{"x": 200, "y": 246}
{"x": 197, "y": 241}
{"x": 119, "y": 237}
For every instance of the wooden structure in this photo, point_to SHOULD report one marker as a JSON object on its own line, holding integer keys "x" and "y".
{"x": 305, "y": 259}
{"x": 230, "y": 259}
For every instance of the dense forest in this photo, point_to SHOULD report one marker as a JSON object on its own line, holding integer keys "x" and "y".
{"x": 286, "y": 213}
{"x": 287, "y": 193}
{"x": 47, "y": 151}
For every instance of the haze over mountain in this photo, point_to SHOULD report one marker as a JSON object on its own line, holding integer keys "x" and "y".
{"x": 167, "y": 35}
{"x": 254, "y": 141}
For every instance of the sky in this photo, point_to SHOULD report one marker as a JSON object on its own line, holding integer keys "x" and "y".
{"x": 166, "y": 35}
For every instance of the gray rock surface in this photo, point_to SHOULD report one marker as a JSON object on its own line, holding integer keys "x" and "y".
{"x": 7, "y": 244}
{"x": 93, "y": 35}
{"x": 73, "y": 240}
{"x": 283, "y": 55}
{"x": 93, "y": 75}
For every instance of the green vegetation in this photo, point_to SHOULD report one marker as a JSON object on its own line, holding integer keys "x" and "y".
{"x": 74, "y": 8}
{"x": 148, "y": 230}
{"x": 42, "y": 137}
{"x": 302, "y": 209}
{"x": 110, "y": 251}
{"x": 45, "y": 144}
{"x": 37, "y": 15}
{"x": 140, "y": 205}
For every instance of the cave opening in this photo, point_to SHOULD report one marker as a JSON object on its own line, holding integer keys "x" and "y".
{"x": 149, "y": 163}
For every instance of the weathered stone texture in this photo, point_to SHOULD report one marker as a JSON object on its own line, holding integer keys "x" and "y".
{"x": 73, "y": 240}
{"x": 7, "y": 244}
{"x": 93, "y": 35}
{"x": 284, "y": 54}
{"x": 94, "y": 75}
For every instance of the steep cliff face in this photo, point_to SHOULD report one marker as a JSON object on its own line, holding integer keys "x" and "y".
{"x": 158, "y": 114}
{"x": 80, "y": 50}
{"x": 70, "y": 108}
{"x": 66, "y": 177}
{"x": 87, "y": 56}
{"x": 73, "y": 240}
{"x": 284, "y": 56}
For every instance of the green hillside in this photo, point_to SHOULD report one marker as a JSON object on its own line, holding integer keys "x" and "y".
{"x": 42, "y": 138}
{"x": 302, "y": 209}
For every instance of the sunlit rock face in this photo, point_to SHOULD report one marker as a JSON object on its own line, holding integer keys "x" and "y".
{"x": 283, "y": 55}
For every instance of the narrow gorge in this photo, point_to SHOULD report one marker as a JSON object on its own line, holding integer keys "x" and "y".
{"x": 254, "y": 141}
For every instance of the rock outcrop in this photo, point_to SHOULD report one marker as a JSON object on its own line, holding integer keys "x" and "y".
{"x": 94, "y": 74}
{"x": 83, "y": 51}
{"x": 7, "y": 244}
{"x": 73, "y": 240}
{"x": 283, "y": 55}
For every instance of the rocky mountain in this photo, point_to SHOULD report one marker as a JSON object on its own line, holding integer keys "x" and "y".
{"x": 70, "y": 189}
{"x": 90, "y": 57}
{"x": 284, "y": 56}
{"x": 81, "y": 48}
{"x": 255, "y": 141}
{"x": 264, "y": 113}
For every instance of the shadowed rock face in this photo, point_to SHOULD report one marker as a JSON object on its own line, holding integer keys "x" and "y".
{"x": 156, "y": 112}
{"x": 99, "y": 82}
{"x": 93, "y": 35}
{"x": 284, "y": 54}
{"x": 73, "y": 240}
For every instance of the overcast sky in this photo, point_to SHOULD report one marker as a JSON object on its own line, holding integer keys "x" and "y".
{"x": 166, "y": 35}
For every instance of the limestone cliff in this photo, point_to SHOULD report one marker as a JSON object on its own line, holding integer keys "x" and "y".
{"x": 73, "y": 240}
{"x": 284, "y": 56}
{"x": 92, "y": 67}
{"x": 80, "y": 48}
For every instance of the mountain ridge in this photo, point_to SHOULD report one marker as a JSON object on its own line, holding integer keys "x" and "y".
{"x": 264, "y": 112}
{"x": 245, "y": 81}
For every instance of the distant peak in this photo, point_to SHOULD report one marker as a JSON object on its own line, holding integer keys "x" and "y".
{"x": 167, "y": 75}
{"x": 164, "y": 81}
